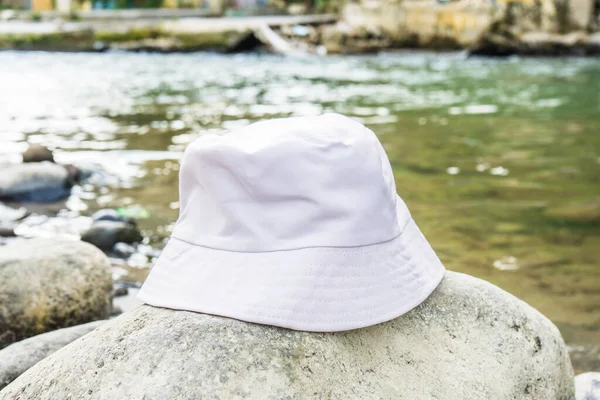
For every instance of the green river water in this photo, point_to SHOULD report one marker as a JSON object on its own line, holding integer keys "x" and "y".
{"x": 498, "y": 160}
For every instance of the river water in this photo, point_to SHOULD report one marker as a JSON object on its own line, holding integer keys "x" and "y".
{"x": 498, "y": 160}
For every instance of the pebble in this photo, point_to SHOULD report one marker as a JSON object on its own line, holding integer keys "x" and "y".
{"x": 37, "y": 153}
{"x": 120, "y": 291}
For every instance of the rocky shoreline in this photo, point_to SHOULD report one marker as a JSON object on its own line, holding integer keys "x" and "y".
{"x": 545, "y": 28}
{"x": 225, "y": 35}
{"x": 331, "y": 39}
{"x": 579, "y": 44}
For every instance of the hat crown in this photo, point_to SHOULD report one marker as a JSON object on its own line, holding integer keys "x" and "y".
{"x": 286, "y": 184}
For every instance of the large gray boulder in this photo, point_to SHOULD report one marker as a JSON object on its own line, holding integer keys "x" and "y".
{"x": 469, "y": 340}
{"x": 19, "y": 357}
{"x": 49, "y": 284}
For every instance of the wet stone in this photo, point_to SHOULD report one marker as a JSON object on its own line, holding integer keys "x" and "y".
{"x": 120, "y": 291}
{"x": 48, "y": 284}
{"x": 105, "y": 234}
{"x": 37, "y": 153}
{"x": 7, "y": 231}
{"x": 35, "y": 182}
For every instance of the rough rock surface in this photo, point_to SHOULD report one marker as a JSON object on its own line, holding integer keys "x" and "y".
{"x": 540, "y": 28}
{"x": 50, "y": 284}
{"x": 19, "y": 357}
{"x": 431, "y": 25}
{"x": 469, "y": 340}
{"x": 343, "y": 38}
{"x": 587, "y": 386}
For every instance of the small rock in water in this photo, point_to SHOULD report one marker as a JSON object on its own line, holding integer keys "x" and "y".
{"x": 105, "y": 234}
{"x": 50, "y": 284}
{"x": 587, "y": 386}
{"x": 37, "y": 153}
{"x": 36, "y": 182}
{"x": 120, "y": 291}
{"x": 7, "y": 231}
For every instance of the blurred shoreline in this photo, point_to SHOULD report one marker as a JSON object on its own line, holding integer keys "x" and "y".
{"x": 479, "y": 28}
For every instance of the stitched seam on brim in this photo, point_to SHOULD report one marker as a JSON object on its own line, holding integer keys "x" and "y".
{"x": 297, "y": 248}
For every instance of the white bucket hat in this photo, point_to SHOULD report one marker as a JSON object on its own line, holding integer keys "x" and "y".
{"x": 293, "y": 222}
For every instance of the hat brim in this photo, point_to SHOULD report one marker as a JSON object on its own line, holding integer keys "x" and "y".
{"x": 321, "y": 289}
